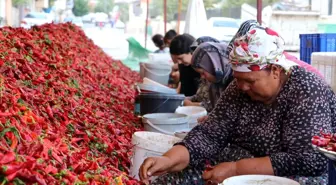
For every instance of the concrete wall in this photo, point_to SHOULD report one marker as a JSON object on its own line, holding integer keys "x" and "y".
{"x": 289, "y": 24}
{"x": 292, "y": 24}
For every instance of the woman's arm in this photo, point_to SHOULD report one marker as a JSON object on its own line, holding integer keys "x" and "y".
{"x": 207, "y": 140}
{"x": 188, "y": 102}
{"x": 303, "y": 121}
{"x": 261, "y": 165}
{"x": 178, "y": 89}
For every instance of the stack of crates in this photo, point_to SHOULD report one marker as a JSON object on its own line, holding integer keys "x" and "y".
{"x": 320, "y": 42}
{"x": 325, "y": 62}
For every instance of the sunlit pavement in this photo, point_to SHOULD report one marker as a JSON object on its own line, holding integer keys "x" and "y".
{"x": 114, "y": 41}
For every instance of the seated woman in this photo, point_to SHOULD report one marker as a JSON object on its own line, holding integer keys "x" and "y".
{"x": 181, "y": 54}
{"x": 159, "y": 43}
{"x": 262, "y": 124}
{"x": 211, "y": 61}
{"x": 174, "y": 77}
{"x": 169, "y": 36}
{"x": 201, "y": 98}
{"x": 250, "y": 24}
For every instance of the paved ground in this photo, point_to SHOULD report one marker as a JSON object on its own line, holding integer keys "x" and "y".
{"x": 114, "y": 43}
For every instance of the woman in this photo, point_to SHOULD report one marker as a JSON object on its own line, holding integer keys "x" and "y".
{"x": 201, "y": 98}
{"x": 158, "y": 41}
{"x": 211, "y": 61}
{"x": 174, "y": 78}
{"x": 169, "y": 36}
{"x": 262, "y": 124}
{"x": 181, "y": 54}
{"x": 250, "y": 24}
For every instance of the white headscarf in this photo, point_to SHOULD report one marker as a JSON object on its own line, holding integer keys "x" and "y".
{"x": 257, "y": 49}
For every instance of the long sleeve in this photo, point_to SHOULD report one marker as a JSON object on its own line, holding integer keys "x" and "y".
{"x": 208, "y": 139}
{"x": 304, "y": 120}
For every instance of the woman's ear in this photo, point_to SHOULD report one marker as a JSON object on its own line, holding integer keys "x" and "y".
{"x": 276, "y": 71}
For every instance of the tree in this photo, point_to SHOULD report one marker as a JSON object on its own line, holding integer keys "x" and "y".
{"x": 105, "y": 6}
{"x": 232, "y": 8}
{"x": 17, "y": 3}
{"x": 209, "y": 4}
{"x": 238, "y": 3}
{"x": 156, "y": 7}
{"x": 123, "y": 8}
{"x": 81, "y": 7}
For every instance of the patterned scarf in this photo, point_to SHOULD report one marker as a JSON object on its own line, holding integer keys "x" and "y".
{"x": 257, "y": 49}
{"x": 201, "y": 40}
{"x": 212, "y": 58}
{"x": 243, "y": 29}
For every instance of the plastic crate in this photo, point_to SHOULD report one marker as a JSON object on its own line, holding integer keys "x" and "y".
{"x": 321, "y": 42}
{"x": 325, "y": 62}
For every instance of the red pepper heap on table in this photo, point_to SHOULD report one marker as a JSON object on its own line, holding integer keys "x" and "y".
{"x": 326, "y": 140}
{"x": 65, "y": 109}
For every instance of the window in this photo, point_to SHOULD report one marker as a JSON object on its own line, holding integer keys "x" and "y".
{"x": 36, "y": 16}
{"x": 230, "y": 24}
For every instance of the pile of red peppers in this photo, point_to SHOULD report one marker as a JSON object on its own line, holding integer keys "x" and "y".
{"x": 66, "y": 109}
{"x": 326, "y": 141}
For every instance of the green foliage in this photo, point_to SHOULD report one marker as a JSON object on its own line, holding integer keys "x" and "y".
{"x": 81, "y": 7}
{"x": 123, "y": 8}
{"x": 156, "y": 7}
{"x": 238, "y": 3}
{"x": 105, "y": 6}
{"x": 20, "y": 2}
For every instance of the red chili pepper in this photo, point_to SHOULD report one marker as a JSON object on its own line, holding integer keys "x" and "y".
{"x": 7, "y": 158}
{"x": 5, "y": 114}
{"x": 11, "y": 168}
{"x": 50, "y": 112}
{"x": 333, "y": 147}
{"x": 11, "y": 176}
{"x": 208, "y": 166}
{"x": 56, "y": 157}
{"x": 51, "y": 169}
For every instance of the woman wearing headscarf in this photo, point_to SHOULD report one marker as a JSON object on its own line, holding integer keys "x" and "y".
{"x": 211, "y": 61}
{"x": 262, "y": 124}
{"x": 251, "y": 24}
{"x": 202, "y": 97}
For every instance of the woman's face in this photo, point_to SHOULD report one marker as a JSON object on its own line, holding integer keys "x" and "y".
{"x": 184, "y": 59}
{"x": 175, "y": 74}
{"x": 206, "y": 75}
{"x": 167, "y": 42}
{"x": 261, "y": 85}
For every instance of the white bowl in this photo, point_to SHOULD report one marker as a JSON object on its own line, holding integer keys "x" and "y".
{"x": 182, "y": 133}
{"x": 329, "y": 154}
{"x": 258, "y": 180}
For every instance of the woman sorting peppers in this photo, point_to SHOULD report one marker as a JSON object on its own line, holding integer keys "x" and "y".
{"x": 209, "y": 59}
{"x": 262, "y": 124}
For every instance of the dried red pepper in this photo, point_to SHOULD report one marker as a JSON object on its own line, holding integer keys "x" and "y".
{"x": 64, "y": 108}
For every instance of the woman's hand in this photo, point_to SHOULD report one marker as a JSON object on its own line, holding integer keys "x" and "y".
{"x": 202, "y": 119}
{"x": 176, "y": 159}
{"x": 154, "y": 166}
{"x": 187, "y": 102}
{"x": 220, "y": 172}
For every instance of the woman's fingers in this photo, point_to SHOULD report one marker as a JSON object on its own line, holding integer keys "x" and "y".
{"x": 202, "y": 119}
{"x": 207, "y": 175}
{"x": 143, "y": 172}
{"x": 157, "y": 167}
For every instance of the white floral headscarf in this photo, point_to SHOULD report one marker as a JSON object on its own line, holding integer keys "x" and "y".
{"x": 257, "y": 49}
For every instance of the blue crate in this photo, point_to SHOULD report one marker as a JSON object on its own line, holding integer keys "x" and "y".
{"x": 332, "y": 173}
{"x": 319, "y": 42}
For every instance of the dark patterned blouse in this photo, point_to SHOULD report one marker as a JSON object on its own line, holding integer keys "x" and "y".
{"x": 282, "y": 130}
